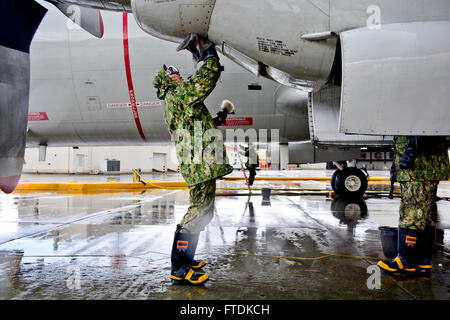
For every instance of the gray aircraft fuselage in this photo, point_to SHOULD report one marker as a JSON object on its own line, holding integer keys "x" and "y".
{"x": 388, "y": 57}
{"x": 80, "y": 96}
{"x": 373, "y": 68}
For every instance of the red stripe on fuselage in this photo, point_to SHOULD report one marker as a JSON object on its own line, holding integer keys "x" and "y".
{"x": 129, "y": 79}
{"x": 102, "y": 28}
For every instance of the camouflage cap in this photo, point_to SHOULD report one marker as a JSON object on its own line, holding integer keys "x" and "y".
{"x": 163, "y": 83}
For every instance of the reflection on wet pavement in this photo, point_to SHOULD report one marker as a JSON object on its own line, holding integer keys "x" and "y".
{"x": 117, "y": 246}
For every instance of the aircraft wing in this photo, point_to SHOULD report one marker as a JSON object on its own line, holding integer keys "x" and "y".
{"x": 89, "y": 19}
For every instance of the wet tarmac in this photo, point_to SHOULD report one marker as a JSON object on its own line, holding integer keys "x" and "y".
{"x": 297, "y": 246}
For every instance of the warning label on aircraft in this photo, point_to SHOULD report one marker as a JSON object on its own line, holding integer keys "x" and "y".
{"x": 37, "y": 116}
{"x": 139, "y": 104}
{"x": 235, "y": 122}
{"x": 274, "y": 46}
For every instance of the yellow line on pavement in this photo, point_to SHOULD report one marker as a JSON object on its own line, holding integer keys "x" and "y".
{"x": 308, "y": 258}
{"x": 93, "y": 186}
{"x": 316, "y": 258}
{"x": 26, "y": 186}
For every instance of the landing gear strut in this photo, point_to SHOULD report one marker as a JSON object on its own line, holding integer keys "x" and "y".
{"x": 349, "y": 182}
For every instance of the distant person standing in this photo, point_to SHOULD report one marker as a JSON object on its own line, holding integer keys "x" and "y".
{"x": 251, "y": 164}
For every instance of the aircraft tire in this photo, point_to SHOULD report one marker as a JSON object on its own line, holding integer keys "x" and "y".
{"x": 333, "y": 180}
{"x": 350, "y": 183}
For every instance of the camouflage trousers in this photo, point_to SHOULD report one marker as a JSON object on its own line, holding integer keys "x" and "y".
{"x": 415, "y": 206}
{"x": 201, "y": 210}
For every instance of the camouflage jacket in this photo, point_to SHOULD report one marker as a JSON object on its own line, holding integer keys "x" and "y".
{"x": 431, "y": 164}
{"x": 190, "y": 123}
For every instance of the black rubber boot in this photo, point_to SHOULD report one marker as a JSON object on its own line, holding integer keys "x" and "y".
{"x": 407, "y": 256}
{"x": 183, "y": 251}
{"x": 196, "y": 264}
{"x": 426, "y": 247}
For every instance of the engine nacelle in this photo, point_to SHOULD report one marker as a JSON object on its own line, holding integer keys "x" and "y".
{"x": 297, "y": 50}
{"x": 173, "y": 20}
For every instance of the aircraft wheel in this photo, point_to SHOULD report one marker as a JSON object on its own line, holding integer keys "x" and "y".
{"x": 333, "y": 180}
{"x": 350, "y": 183}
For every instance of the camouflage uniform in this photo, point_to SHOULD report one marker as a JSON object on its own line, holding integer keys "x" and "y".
{"x": 419, "y": 183}
{"x": 201, "y": 210}
{"x": 185, "y": 112}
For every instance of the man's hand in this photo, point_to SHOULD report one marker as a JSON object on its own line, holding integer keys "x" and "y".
{"x": 226, "y": 108}
{"x": 201, "y": 48}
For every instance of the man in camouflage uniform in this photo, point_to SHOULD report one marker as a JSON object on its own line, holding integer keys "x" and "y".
{"x": 188, "y": 119}
{"x": 420, "y": 163}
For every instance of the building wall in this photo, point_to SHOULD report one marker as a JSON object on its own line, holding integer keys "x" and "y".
{"x": 92, "y": 159}
{"x": 65, "y": 159}
{"x": 57, "y": 160}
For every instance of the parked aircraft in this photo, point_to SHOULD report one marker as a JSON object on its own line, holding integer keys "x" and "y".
{"x": 357, "y": 62}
